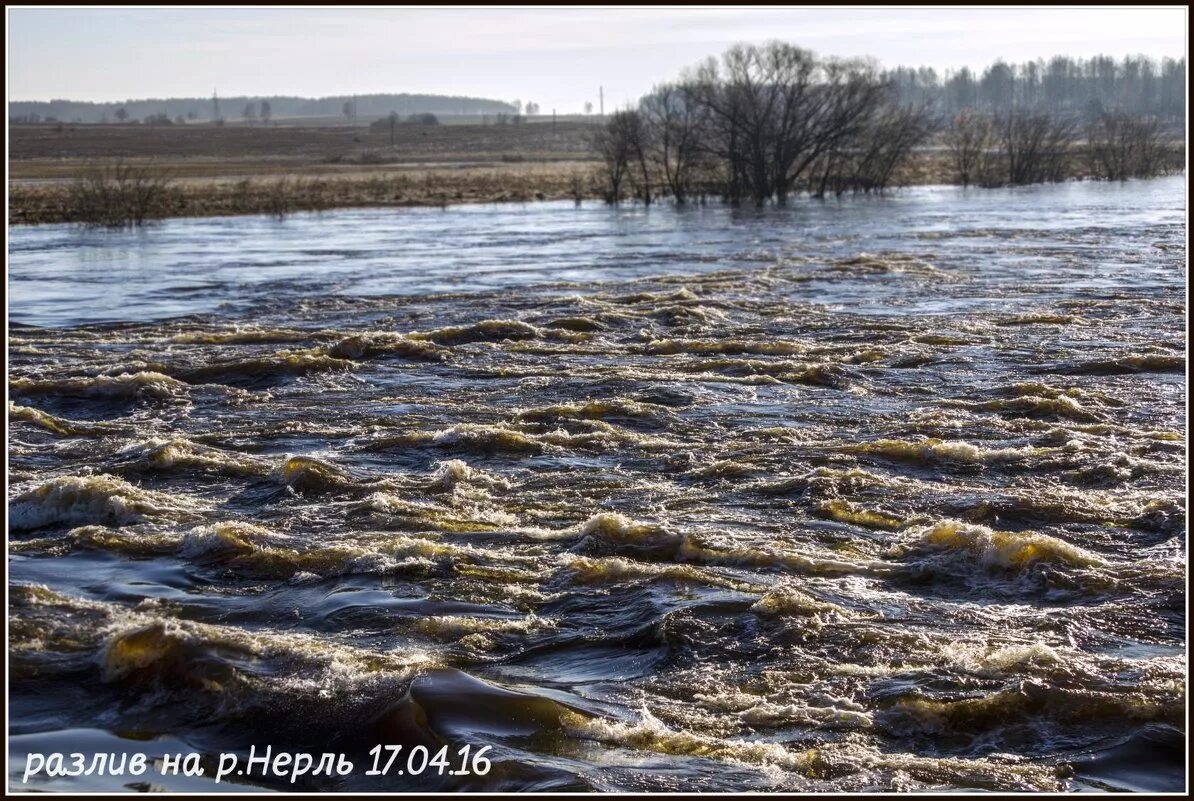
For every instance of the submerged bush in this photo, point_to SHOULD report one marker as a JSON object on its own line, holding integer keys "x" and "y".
{"x": 119, "y": 196}
{"x": 1122, "y": 147}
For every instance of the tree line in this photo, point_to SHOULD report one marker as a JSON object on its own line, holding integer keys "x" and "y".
{"x": 763, "y": 122}
{"x": 1026, "y": 147}
{"x": 1087, "y": 88}
{"x": 192, "y": 108}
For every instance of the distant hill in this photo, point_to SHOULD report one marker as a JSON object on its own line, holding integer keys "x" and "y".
{"x": 367, "y": 107}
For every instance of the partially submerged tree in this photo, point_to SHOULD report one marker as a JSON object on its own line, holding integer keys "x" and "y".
{"x": 1035, "y": 147}
{"x": 870, "y": 160}
{"x": 1122, "y": 147}
{"x": 764, "y": 121}
{"x": 677, "y": 122}
{"x": 763, "y": 114}
{"x": 619, "y": 144}
{"x": 969, "y": 140}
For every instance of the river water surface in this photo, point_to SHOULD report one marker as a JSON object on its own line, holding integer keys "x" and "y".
{"x": 879, "y": 494}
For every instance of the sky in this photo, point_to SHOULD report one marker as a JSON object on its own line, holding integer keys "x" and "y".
{"x": 556, "y": 57}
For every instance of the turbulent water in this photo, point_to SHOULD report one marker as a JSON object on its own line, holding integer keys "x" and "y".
{"x": 872, "y": 495}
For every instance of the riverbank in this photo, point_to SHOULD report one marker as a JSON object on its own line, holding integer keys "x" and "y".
{"x": 277, "y": 171}
{"x": 283, "y": 193}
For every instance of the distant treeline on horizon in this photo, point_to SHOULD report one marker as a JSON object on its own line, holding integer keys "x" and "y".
{"x": 1082, "y": 87}
{"x": 363, "y": 107}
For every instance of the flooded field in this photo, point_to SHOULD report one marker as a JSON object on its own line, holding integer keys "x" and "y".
{"x": 885, "y": 494}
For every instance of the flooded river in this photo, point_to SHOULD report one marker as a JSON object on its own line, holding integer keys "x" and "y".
{"x": 878, "y": 494}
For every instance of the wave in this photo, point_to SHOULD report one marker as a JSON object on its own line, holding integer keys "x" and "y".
{"x": 281, "y": 363}
{"x": 999, "y": 549}
{"x": 372, "y": 344}
{"x": 57, "y": 425}
{"x": 1031, "y": 700}
{"x": 939, "y": 450}
{"x": 1062, "y": 406}
{"x": 145, "y": 384}
{"x": 825, "y": 482}
{"x": 1125, "y": 365}
{"x": 580, "y": 325}
{"x": 417, "y": 515}
{"x": 240, "y": 336}
{"x": 170, "y": 454}
{"x": 760, "y": 712}
{"x": 455, "y": 475}
{"x": 650, "y": 734}
{"x": 782, "y": 371}
{"x": 102, "y": 499}
{"x": 786, "y": 601}
{"x": 846, "y": 512}
{"x": 658, "y": 347}
{"x": 589, "y": 569}
{"x": 609, "y": 533}
{"x": 884, "y": 263}
{"x": 597, "y": 410}
{"x": 456, "y": 627}
{"x": 484, "y": 439}
{"x": 484, "y": 331}
{"x": 308, "y": 474}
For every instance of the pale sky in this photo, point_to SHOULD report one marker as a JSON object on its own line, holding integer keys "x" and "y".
{"x": 556, "y": 57}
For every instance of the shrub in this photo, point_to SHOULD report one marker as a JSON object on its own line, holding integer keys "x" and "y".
{"x": 119, "y": 196}
{"x": 1122, "y": 147}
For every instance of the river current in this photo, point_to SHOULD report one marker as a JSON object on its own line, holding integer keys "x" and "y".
{"x": 880, "y": 494}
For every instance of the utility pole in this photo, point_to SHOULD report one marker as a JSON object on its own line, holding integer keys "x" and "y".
{"x": 215, "y": 106}
{"x": 553, "y": 120}
{"x": 601, "y": 92}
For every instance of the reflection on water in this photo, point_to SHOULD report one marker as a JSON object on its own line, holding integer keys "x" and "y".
{"x": 885, "y": 494}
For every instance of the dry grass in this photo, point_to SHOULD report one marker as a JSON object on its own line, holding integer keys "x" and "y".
{"x": 280, "y": 195}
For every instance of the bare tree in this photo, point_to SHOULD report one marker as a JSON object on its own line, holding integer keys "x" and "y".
{"x": 250, "y": 113}
{"x": 618, "y": 144}
{"x": 869, "y": 160}
{"x": 674, "y": 122}
{"x": 639, "y": 136}
{"x": 846, "y": 115}
{"x": 777, "y": 109}
{"x": 266, "y": 112}
{"x": 1035, "y": 146}
{"x": 969, "y": 140}
{"x": 121, "y": 114}
{"x": 1122, "y": 147}
{"x": 588, "y": 107}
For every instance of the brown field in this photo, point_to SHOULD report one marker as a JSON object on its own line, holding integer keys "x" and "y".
{"x": 241, "y": 169}
{"x": 41, "y": 151}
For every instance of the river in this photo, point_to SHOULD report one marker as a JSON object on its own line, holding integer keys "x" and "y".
{"x": 880, "y": 493}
